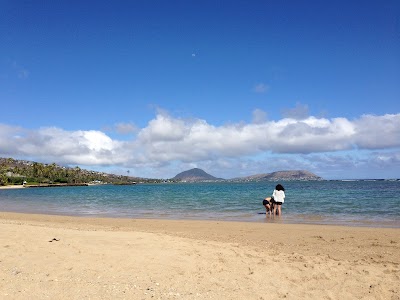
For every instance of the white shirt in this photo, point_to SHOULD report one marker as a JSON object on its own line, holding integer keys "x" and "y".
{"x": 279, "y": 196}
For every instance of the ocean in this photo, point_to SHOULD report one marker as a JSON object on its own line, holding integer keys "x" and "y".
{"x": 351, "y": 203}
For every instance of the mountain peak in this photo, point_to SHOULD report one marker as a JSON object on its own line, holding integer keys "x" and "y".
{"x": 195, "y": 174}
{"x": 281, "y": 175}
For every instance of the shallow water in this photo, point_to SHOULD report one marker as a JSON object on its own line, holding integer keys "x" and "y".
{"x": 355, "y": 203}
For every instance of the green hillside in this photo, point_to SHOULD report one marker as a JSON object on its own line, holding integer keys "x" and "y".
{"x": 13, "y": 172}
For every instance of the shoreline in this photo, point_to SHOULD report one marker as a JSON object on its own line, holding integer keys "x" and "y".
{"x": 6, "y": 187}
{"x": 286, "y": 219}
{"x": 43, "y": 185}
{"x": 67, "y": 257}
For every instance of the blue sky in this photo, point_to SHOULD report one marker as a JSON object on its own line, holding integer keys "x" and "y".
{"x": 233, "y": 87}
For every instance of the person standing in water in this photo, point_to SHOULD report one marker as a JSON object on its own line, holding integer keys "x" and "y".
{"x": 274, "y": 204}
{"x": 279, "y": 197}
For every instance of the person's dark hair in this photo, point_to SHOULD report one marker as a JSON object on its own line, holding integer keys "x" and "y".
{"x": 280, "y": 187}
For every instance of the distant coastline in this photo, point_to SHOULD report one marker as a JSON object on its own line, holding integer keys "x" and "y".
{"x": 13, "y": 173}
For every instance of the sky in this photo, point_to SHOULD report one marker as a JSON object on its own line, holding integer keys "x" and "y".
{"x": 236, "y": 88}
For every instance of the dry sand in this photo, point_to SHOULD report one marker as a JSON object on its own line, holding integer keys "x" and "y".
{"x": 5, "y": 187}
{"x": 55, "y": 257}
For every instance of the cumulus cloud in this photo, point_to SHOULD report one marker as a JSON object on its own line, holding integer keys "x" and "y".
{"x": 55, "y": 144}
{"x": 167, "y": 139}
{"x": 377, "y": 132}
{"x": 163, "y": 129}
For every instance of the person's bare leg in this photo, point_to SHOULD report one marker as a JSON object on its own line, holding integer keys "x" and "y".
{"x": 268, "y": 206}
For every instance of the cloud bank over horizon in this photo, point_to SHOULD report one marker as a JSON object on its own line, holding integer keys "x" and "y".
{"x": 170, "y": 144}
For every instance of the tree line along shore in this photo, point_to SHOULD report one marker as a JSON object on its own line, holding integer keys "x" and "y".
{"x": 28, "y": 173}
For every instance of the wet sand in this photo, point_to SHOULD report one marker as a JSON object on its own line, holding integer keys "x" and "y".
{"x": 60, "y": 257}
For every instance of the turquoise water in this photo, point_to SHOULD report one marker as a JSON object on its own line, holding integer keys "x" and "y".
{"x": 358, "y": 203}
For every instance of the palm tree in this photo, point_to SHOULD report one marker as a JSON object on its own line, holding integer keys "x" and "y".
{"x": 77, "y": 174}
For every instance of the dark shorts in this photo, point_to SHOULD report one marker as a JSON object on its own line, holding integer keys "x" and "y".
{"x": 277, "y": 203}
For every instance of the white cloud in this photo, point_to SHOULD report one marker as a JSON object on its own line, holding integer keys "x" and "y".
{"x": 54, "y": 144}
{"x": 378, "y": 132}
{"x": 163, "y": 129}
{"x": 312, "y": 135}
{"x": 167, "y": 140}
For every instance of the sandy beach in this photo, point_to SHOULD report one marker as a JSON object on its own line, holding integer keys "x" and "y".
{"x": 5, "y": 187}
{"x": 58, "y": 257}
